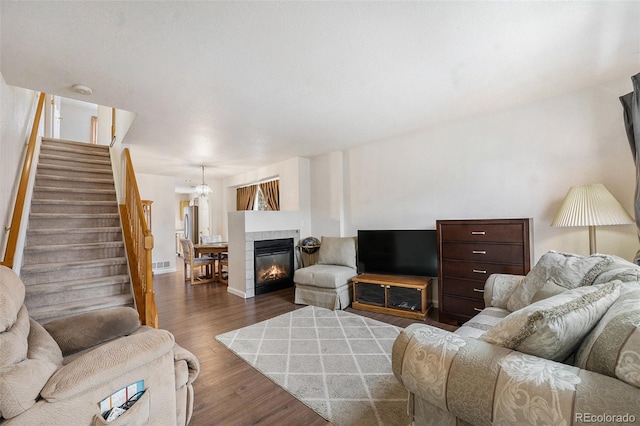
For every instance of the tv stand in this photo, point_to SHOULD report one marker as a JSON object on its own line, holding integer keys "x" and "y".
{"x": 392, "y": 294}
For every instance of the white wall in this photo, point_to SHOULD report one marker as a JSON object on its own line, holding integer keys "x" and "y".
{"x": 217, "y": 214}
{"x": 160, "y": 189}
{"x": 328, "y": 195}
{"x": 514, "y": 163}
{"x": 76, "y": 120}
{"x": 16, "y": 108}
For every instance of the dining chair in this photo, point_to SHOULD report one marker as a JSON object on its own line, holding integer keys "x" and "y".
{"x": 191, "y": 261}
{"x": 223, "y": 266}
{"x": 210, "y": 239}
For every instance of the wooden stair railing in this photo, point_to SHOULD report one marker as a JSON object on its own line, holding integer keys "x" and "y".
{"x": 18, "y": 208}
{"x": 139, "y": 243}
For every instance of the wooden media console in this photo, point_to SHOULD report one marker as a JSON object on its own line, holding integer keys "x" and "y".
{"x": 392, "y": 294}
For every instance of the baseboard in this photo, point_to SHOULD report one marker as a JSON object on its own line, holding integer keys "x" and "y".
{"x": 161, "y": 271}
{"x": 237, "y": 292}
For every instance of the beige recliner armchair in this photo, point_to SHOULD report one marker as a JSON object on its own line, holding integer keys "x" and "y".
{"x": 60, "y": 372}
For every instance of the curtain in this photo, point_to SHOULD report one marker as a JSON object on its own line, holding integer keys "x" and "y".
{"x": 631, "y": 105}
{"x": 271, "y": 193}
{"x": 245, "y": 197}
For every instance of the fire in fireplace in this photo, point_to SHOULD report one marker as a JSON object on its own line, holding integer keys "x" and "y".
{"x": 274, "y": 265}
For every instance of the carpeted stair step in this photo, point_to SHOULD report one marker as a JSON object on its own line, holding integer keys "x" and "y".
{"x": 57, "y": 193}
{"x": 63, "y": 271}
{"x": 65, "y": 144}
{"x": 73, "y": 182}
{"x": 76, "y": 294}
{"x": 81, "y": 160}
{"x": 46, "y": 288}
{"x": 60, "y": 253}
{"x": 72, "y": 221}
{"x": 65, "y": 170}
{"x": 71, "y": 147}
{"x": 73, "y": 236}
{"x": 46, "y": 313}
{"x": 73, "y": 206}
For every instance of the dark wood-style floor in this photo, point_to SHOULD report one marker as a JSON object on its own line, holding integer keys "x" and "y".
{"x": 228, "y": 390}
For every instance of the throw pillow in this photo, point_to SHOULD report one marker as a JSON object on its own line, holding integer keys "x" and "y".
{"x": 549, "y": 289}
{"x": 552, "y": 328}
{"x": 338, "y": 251}
{"x": 612, "y": 348}
{"x": 618, "y": 269}
{"x": 562, "y": 269}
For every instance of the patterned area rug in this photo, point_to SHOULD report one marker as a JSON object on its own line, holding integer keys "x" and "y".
{"x": 337, "y": 363}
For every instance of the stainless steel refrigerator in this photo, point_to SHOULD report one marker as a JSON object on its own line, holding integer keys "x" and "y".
{"x": 191, "y": 224}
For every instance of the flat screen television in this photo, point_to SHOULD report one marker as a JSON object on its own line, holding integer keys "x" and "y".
{"x": 410, "y": 252}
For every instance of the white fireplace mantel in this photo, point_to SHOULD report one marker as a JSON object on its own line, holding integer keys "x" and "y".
{"x": 245, "y": 227}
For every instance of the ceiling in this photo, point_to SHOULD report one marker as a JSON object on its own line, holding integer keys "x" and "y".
{"x": 239, "y": 85}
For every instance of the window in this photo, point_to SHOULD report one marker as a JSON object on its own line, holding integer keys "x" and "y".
{"x": 260, "y": 203}
{"x": 263, "y": 196}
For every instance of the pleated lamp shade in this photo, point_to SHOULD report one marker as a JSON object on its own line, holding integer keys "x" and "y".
{"x": 591, "y": 205}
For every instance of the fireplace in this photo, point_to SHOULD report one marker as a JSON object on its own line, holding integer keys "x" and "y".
{"x": 274, "y": 265}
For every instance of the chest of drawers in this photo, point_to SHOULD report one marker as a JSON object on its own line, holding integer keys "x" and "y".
{"x": 471, "y": 250}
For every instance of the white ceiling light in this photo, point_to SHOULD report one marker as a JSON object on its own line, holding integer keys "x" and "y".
{"x": 82, "y": 89}
{"x": 203, "y": 189}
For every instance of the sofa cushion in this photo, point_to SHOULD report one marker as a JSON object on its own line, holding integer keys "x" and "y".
{"x": 338, "y": 251}
{"x": 89, "y": 329}
{"x": 549, "y": 289}
{"x": 325, "y": 276}
{"x": 613, "y": 346}
{"x": 498, "y": 289}
{"x": 563, "y": 270}
{"x": 483, "y": 322}
{"x": 27, "y": 370}
{"x": 14, "y": 341}
{"x": 552, "y": 328}
{"x": 11, "y": 297}
{"x": 618, "y": 269}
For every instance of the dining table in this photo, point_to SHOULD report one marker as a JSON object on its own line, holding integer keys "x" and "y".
{"x": 215, "y": 250}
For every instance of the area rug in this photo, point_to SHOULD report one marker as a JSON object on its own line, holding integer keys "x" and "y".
{"x": 337, "y": 363}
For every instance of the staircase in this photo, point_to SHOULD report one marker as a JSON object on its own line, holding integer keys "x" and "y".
{"x": 74, "y": 259}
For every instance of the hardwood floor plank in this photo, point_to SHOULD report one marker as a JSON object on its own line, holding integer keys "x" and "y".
{"x": 229, "y": 391}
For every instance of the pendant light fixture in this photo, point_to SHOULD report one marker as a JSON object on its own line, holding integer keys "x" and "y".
{"x": 203, "y": 189}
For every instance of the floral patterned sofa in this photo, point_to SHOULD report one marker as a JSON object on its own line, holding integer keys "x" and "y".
{"x": 559, "y": 346}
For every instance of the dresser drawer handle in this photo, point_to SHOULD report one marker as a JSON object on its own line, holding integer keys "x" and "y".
{"x": 479, "y": 271}
{"x": 478, "y": 290}
{"x": 478, "y": 233}
{"x": 477, "y": 309}
{"x": 479, "y": 252}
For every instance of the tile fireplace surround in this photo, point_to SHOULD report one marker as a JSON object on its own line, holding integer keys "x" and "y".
{"x": 259, "y": 236}
{"x": 243, "y": 233}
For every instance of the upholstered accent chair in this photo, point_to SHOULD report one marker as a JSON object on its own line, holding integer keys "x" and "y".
{"x": 327, "y": 284}
{"x": 59, "y": 372}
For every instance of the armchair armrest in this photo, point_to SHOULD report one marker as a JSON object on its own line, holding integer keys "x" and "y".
{"x": 481, "y": 383}
{"x": 193, "y": 365}
{"x": 79, "y": 332}
{"x": 498, "y": 289}
{"x": 107, "y": 362}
